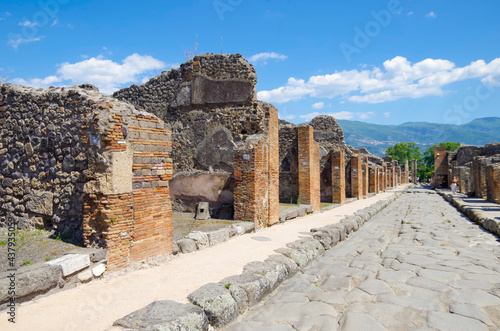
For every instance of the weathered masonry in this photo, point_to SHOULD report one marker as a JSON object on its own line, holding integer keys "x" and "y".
{"x": 475, "y": 167}
{"x": 225, "y": 141}
{"x": 94, "y": 169}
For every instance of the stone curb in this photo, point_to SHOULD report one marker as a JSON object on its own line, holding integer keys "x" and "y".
{"x": 477, "y": 216}
{"x": 223, "y": 302}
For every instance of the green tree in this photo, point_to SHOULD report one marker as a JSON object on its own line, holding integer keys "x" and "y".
{"x": 404, "y": 151}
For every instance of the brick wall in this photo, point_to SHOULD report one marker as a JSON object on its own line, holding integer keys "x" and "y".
{"x": 338, "y": 176}
{"x": 373, "y": 180}
{"x": 127, "y": 208}
{"x": 441, "y": 167}
{"x": 356, "y": 177}
{"x": 384, "y": 178}
{"x": 251, "y": 179}
{"x": 309, "y": 181}
{"x": 493, "y": 183}
{"x": 274, "y": 164}
{"x": 366, "y": 175}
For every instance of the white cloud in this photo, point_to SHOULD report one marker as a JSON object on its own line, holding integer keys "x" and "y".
{"x": 387, "y": 114}
{"x": 19, "y": 40}
{"x": 263, "y": 57}
{"x": 318, "y": 105}
{"x": 431, "y": 15}
{"x": 410, "y": 13}
{"x": 54, "y": 22}
{"x": 398, "y": 79}
{"x": 105, "y": 74}
{"x": 341, "y": 115}
{"x": 27, "y": 23}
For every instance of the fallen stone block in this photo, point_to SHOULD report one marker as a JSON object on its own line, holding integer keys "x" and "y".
{"x": 71, "y": 263}
{"x": 217, "y": 303}
{"x": 98, "y": 270}
{"x": 31, "y": 281}
{"x": 244, "y": 227}
{"x": 200, "y": 238}
{"x": 84, "y": 276}
{"x": 218, "y": 236}
{"x": 166, "y": 315}
{"x": 186, "y": 245}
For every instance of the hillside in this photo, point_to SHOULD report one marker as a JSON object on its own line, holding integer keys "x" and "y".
{"x": 376, "y": 138}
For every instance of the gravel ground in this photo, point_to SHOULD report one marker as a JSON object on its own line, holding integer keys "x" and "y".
{"x": 32, "y": 246}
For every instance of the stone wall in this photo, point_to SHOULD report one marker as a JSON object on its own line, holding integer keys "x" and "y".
{"x": 441, "y": 169}
{"x": 289, "y": 162}
{"x": 90, "y": 167}
{"x": 356, "y": 177}
{"x": 210, "y": 103}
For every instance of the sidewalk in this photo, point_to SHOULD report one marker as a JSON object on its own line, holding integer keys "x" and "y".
{"x": 95, "y": 306}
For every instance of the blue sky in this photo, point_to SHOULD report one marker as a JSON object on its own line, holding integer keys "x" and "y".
{"x": 384, "y": 62}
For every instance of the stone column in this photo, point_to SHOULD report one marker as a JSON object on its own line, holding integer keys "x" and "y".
{"x": 373, "y": 182}
{"x": 414, "y": 170}
{"x": 338, "y": 176}
{"x": 384, "y": 178}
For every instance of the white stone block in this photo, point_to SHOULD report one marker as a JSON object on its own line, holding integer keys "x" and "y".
{"x": 71, "y": 263}
{"x": 85, "y": 276}
{"x": 98, "y": 270}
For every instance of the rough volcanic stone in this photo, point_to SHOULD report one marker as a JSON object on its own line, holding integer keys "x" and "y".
{"x": 166, "y": 316}
{"x": 41, "y": 202}
{"x": 218, "y": 236}
{"x": 217, "y": 302}
{"x": 34, "y": 280}
{"x": 186, "y": 245}
{"x": 216, "y": 150}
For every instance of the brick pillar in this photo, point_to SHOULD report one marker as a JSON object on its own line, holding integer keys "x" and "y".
{"x": 440, "y": 167}
{"x": 338, "y": 176}
{"x": 274, "y": 166}
{"x": 394, "y": 173}
{"x": 309, "y": 181}
{"x": 493, "y": 183}
{"x": 384, "y": 177}
{"x": 366, "y": 176}
{"x": 251, "y": 181}
{"x": 356, "y": 177}
{"x": 127, "y": 208}
{"x": 414, "y": 170}
{"x": 373, "y": 182}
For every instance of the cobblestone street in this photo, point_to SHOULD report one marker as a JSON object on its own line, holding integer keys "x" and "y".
{"x": 417, "y": 265}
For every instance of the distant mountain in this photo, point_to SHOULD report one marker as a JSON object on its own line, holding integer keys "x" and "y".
{"x": 376, "y": 138}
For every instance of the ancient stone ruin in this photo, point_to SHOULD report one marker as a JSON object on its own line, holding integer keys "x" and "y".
{"x": 107, "y": 171}
{"x": 477, "y": 169}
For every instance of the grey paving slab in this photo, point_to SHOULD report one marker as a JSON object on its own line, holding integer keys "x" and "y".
{"x": 417, "y": 265}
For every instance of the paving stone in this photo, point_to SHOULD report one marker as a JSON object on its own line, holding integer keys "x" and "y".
{"x": 474, "y": 296}
{"x": 439, "y": 276}
{"x": 330, "y": 297}
{"x": 395, "y": 317}
{"x": 375, "y": 286}
{"x": 416, "y": 303}
{"x": 317, "y": 323}
{"x": 337, "y": 283}
{"x": 252, "y": 326}
{"x": 418, "y": 260}
{"x": 393, "y": 276}
{"x": 428, "y": 284}
{"x": 357, "y": 295}
{"x": 463, "y": 284}
{"x": 293, "y": 312}
{"x": 489, "y": 278}
{"x": 359, "y": 321}
{"x": 452, "y": 322}
{"x": 471, "y": 311}
{"x": 479, "y": 270}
